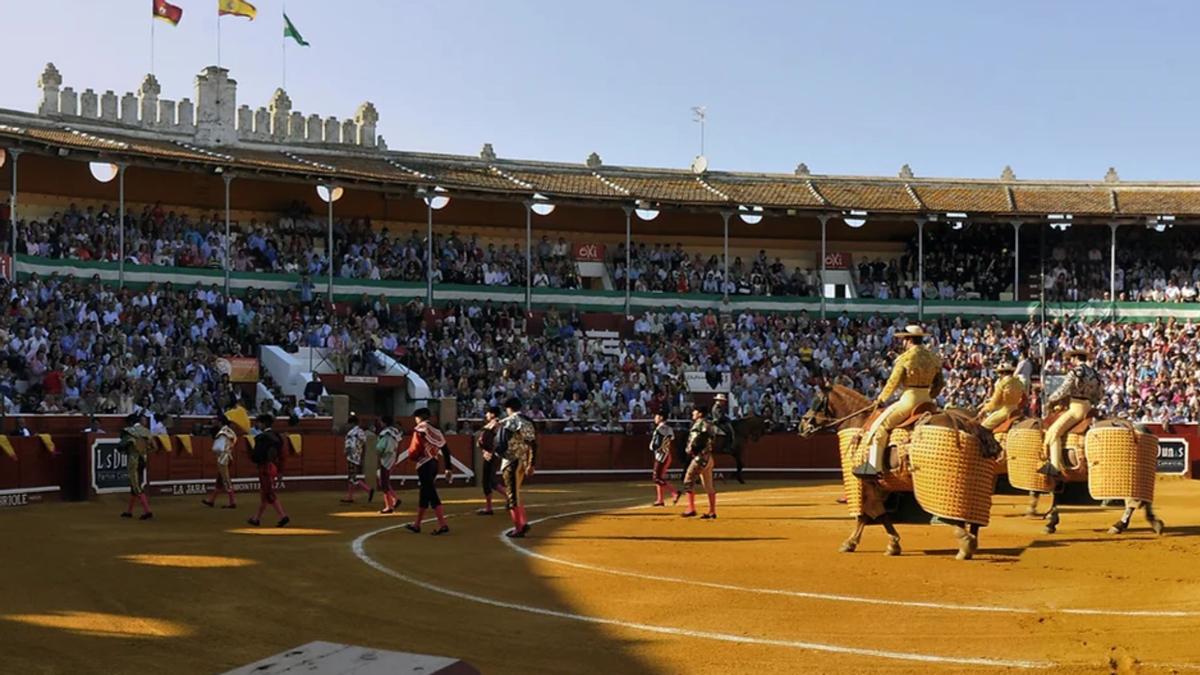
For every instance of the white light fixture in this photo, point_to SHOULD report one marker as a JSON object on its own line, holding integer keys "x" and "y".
{"x": 957, "y": 220}
{"x": 1160, "y": 223}
{"x": 645, "y": 210}
{"x": 855, "y": 218}
{"x": 1060, "y": 221}
{"x": 328, "y": 194}
{"x": 435, "y": 198}
{"x": 103, "y": 171}
{"x": 541, "y": 205}
{"x": 750, "y": 215}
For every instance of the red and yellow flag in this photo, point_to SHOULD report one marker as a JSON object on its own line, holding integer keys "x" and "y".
{"x": 236, "y": 8}
{"x": 167, "y": 12}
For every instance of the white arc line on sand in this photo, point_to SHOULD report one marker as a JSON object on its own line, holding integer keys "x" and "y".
{"x": 358, "y": 548}
{"x": 829, "y": 596}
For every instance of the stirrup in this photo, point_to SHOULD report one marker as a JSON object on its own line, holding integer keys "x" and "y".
{"x": 865, "y": 470}
{"x": 1049, "y": 469}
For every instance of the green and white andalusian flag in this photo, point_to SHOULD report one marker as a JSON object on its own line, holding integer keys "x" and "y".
{"x": 289, "y": 31}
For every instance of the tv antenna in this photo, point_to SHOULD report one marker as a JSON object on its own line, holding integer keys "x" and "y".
{"x": 700, "y": 164}
{"x": 699, "y": 113}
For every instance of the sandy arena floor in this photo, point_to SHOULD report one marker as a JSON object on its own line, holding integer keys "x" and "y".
{"x": 604, "y": 584}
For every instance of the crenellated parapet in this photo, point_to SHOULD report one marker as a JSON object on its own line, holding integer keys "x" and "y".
{"x": 214, "y": 118}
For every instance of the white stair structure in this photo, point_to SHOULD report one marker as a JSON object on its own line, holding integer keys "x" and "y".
{"x": 293, "y": 371}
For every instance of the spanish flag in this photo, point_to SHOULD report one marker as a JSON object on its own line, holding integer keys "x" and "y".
{"x": 167, "y": 12}
{"x": 236, "y": 8}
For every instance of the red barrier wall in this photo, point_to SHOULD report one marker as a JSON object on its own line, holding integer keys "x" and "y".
{"x": 36, "y": 474}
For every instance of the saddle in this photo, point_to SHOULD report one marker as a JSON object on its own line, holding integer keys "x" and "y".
{"x": 917, "y": 413}
{"x": 1007, "y": 424}
{"x": 1080, "y": 428}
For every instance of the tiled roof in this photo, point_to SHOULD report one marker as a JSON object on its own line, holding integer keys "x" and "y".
{"x": 966, "y": 199}
{"x": 1159, "y": 201}
{"x": 1062, "y": 200}
{"x": 869, "y": 196}
{"x": 517, "y": 179}
{"x": 780, "y": 193}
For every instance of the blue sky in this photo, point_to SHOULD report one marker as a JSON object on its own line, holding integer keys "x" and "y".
{"x": 1056, "y": 89}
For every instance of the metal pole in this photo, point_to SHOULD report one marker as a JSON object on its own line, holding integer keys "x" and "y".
{"x": 628, "y": 242}
{"x": 1042, "y": 328}
{"x": 821, "y": 290}
{"x": 12, "y": 212}
{"x": 329, "y": 245}
{"x": 121, "y": 229}
{"x": 1112, "y": 270}
{"x": 528, "y": 257}
{"x": 228, "y": 248}
{"x": 1016, "y": 260}
{"x": 429, "y": 253}
{"x": 921, "y": 268}
{"x": 725, "y": 276}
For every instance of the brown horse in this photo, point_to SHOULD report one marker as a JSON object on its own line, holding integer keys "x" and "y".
{"x": 1076, "y": 471}
{"x": 749, "y": 428}
{"x": 845, "y": 409}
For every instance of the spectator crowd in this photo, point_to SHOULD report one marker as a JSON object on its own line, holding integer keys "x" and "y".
{"x": 974, "y": 261}
{"x": 77, "y": 346}
{"x": 293, "y": 244}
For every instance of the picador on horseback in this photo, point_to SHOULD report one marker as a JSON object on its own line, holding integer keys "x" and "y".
{"x": 720, "y": 417}
{"x": 918, "y": 371}
{"x": 1079, "y": 392}
{"x": 1008, "y": 395}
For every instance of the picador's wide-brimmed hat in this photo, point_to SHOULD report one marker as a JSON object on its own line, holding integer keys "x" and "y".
{"x": 912, "y": 330}
{"x": 1006, "y": 368}
{"x": 722, "y": 397}
{"x": 1077, "y": 351}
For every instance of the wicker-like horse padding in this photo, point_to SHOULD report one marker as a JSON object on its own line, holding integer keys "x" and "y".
{"x": 848, "y": 447}
{"x": 1001, "y": 461}
{"x": 1122, "y": 463}
{"x": 1025, "y": 456}
{"x": 951, "y": 477}
{"x": 853, "y": 448}
{"x": 898, "y": 479}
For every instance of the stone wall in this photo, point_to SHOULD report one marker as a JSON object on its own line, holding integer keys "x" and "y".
{"x": 213, "y": 119}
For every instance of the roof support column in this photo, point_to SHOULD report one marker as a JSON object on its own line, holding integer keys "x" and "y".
{"x": 331, "y": 256}
{"x": 429, "y": 253}
{"x": 1112, "y": 269}
{"x": 725, "y": 261}
{"x": 228, "y": 245}
{"x": 821, "y": 291}
{"x": 921, "y": 269}
{"x": 1016, "y": 224}
{"x": 121, "y": 224}
{"x": 528, "y": 256}
{"x": 12, "y": 215}
{"x": 628, "y": 242}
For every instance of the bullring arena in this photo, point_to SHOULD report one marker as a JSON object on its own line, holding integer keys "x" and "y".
{"x": 607, "y": 585}
{"x": 276, "y": 398}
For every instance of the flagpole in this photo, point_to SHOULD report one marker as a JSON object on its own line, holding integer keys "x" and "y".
{"x": 152, "y": 19}
{"x": 283, "y": 41}
{"x": 218, "y": 40}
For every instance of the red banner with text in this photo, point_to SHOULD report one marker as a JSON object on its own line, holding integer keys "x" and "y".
{"x": 589, "y": 252}
{"x": 837, "y": 260}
